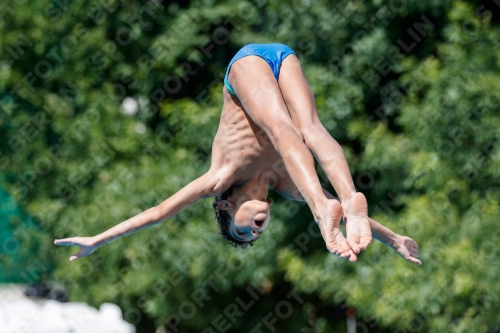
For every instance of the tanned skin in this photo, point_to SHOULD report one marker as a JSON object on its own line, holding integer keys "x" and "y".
{"x": 267, "y": 136}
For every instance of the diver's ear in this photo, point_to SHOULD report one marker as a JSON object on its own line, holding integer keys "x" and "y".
{"x": 270, "y": 201}
{"x": 225, "y": 205}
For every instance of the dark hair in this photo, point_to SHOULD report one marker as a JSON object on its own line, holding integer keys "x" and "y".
{"x": 224, "y": 220}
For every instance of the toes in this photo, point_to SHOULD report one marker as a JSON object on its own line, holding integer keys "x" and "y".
{"x": 340, "y": 251}
{"x": 354, "y": 246}
{"x": 349, "y": 255}
{"x": 335, "y": 249}
{"x": 366, "y": 241}
{"x": 352, "y": 256}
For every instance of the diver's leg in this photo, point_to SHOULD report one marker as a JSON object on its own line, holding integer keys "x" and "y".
{"x": 302, "y": 108}
{"x": 260, "y": 95}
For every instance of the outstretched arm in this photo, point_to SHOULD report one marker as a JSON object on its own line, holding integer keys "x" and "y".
{"x": 403, "y": 245}
{"x": 197, "y": 189}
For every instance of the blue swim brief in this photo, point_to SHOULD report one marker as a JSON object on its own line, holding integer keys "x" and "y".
{"x": 273, "y": 54}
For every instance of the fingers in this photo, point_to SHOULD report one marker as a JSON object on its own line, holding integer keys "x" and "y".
{"x": 69, "y": 242}
{"x": 76, "y": 256}
{"x": 414, "y": 253}
{"x": 65, "y": 241}
{"x": 414, "y": 260}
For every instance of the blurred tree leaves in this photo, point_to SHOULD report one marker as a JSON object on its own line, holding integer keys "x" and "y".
{"x": 409, "y": 88}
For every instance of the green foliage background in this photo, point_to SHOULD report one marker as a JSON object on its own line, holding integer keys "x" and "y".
{"x": 409, "y": 88}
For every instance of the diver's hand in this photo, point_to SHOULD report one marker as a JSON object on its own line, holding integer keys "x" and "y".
{"x": 87, "y": 245}
{"x": 407, "y": 248}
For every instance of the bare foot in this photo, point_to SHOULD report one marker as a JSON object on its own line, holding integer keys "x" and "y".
{"x": 408, "y": 249}
{"x": 359, "y": 233}
{"x": 330, "y": 230}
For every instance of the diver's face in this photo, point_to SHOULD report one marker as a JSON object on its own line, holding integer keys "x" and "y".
{"x": 249, "y": 219}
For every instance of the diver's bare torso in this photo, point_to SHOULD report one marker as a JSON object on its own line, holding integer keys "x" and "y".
{"x": 242, "y": 150}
